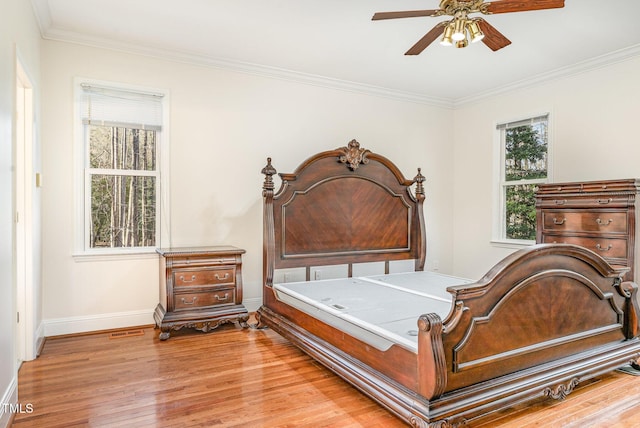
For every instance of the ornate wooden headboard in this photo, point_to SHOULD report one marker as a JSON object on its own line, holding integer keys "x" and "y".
{"x": 343, "y": 206}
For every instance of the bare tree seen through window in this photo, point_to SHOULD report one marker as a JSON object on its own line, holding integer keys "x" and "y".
{"x": 123, "y": 186}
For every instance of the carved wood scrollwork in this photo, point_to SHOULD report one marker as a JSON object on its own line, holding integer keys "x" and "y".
{"x": 445, "y": 423}
{"x": 354, "y": 155}
{"x": 625, "y": 289}
{"x": 561, "y": 391}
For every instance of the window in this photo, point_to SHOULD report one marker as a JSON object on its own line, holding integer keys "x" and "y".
{"x": 524, "y": 163}
{"x": 121, "y": 135}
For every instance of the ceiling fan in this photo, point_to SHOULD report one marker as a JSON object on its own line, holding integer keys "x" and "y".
{"x": 461, "y": 27}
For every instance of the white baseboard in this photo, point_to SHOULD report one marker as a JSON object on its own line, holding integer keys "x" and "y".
{"x": 9, "y": 397}
{"x": 38, "y": 340}
{"x": 72, "y": 325}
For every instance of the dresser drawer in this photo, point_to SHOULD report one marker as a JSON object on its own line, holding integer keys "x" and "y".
{"x": 583, "y": 201}
{"x": 180, "y": 262}
{"x": 607, "y": 248}
{"x": 204, "y": 277}
{"x": 585, "y": 221}
{"x": 189, "y": 301}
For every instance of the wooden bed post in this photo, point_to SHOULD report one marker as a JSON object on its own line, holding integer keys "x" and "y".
{"x": 432, "y": 366}
{"x": 268, "y": 238}
{"x": 422, "y": 245}
{"x": 629, "y": 290}
{"x": 632, "y": 328}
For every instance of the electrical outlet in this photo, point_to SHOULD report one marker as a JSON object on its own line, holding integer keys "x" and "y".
{"x": 436, "y": 265}
{"x": 287, "y": 277}
{"x": 317, "y": 275}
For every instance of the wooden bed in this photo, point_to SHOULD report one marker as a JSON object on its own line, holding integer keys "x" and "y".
{"x": 537, "y": 324}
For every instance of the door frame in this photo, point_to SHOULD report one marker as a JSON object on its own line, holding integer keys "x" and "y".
{"x": 24, "y": 184}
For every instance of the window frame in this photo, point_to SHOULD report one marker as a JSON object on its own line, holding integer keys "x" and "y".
{"x": 83, "y": 173}
{"x": 499, "y": 237}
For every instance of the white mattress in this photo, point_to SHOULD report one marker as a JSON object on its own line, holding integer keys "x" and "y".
{"x": 380, "y": 310}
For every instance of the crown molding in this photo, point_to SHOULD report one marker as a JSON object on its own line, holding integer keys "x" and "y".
{"x": 43, "y": 15}
{"x": 591, "y": 64}
{"x": 243, "y": 67}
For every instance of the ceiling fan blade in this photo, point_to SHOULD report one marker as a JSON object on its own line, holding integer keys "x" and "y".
{"x": 426, "y": 40}
{"x": 493, "y": 38}
{"x": 506, "y": 6}
{"x": 406, "y": 14}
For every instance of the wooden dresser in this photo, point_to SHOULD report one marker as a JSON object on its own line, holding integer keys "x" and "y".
{"x": 200, "y": 288}
{"x": 599, "y": 215}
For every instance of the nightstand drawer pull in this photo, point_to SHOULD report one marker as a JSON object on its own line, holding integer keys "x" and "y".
{"x": 604, "y": 201}
{"x": 193, "y": 278}
{"x": 223, "y": 298}
{"x": 192, "y": 302}
{"x": 555, "y": 221}
{"x": 601, "y": 248}
{"x": 604, "y": 222}
{"x": 560, "y": 201}
{"x": 219, "y": 278}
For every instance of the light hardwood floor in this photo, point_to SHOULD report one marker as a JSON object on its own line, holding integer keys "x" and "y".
{"x": 246, "y": 378}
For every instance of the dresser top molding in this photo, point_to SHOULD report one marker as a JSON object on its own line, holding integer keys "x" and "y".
{"x": 197, "y": 251}
{"x": 608, "y": 186}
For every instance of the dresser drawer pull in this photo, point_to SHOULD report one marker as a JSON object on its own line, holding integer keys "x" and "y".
{"x": 192, "y": 302}
{"x": 193, "y": 278}
{"x": 555, "y": 221}
{"x": 560, "y": 201}
{"x": 219, "y": 278}
{"x": 604, "y": 201}
{"x": 599, "y": 247}
{"x": 223, "y": 298}
{"x": 604, "y": 222}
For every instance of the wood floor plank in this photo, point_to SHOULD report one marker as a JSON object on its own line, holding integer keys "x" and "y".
{"x": 237, "y": 378}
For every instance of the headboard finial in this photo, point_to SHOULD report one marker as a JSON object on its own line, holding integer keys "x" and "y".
{"x": 419, "y": 179}
{"x": 354, "y": 155}
{"x": 269, "y": 171}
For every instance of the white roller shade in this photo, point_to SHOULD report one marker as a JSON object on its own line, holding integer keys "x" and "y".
{"x": 115, "y": 107}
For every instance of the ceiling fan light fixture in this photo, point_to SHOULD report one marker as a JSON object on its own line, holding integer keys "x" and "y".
{"x": 446, "y": 36}
{"x": 462, "y": 43}
{"x": 459, "y": 32}
{"x": 461, "y": 29}
{"x": 475, "y": 31}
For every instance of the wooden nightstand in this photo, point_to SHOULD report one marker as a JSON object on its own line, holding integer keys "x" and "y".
{"x": 201, "y": 288}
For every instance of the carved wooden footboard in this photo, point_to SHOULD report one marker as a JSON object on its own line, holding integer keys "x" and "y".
{"x": 540, "y": 322}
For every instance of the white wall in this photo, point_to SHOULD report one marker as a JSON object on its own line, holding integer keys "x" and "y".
{"x": 594, "y": 135}
{"x": 224, "y": 124}
{"x": 18, "y": 35}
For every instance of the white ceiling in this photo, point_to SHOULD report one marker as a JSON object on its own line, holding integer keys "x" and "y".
{"x": 335, "y": 43}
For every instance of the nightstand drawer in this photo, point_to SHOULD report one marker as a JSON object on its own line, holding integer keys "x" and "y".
{"x": 189, "y": 301}
{"x": 182, "y": 262}
{"x": 607, "y": 248}
{"x": 203, "y": 277}
{"x": 585, "y": 221}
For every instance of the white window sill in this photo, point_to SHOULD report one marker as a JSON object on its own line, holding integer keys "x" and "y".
{"x": 115, "y": 255}
{"x": 512, "y": 243}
